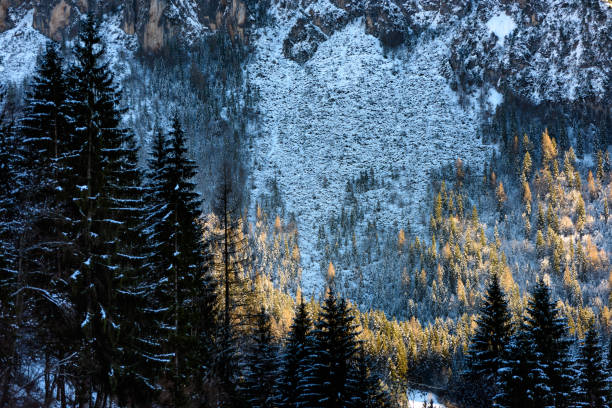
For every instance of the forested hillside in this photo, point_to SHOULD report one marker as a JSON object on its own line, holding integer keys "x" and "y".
{"x": 315, "y": 204}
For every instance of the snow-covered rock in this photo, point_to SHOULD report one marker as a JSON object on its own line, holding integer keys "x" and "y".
{"x": 501, "y": 25}
{"x": 19, "y": 48}
{"x": 542, "y": 51}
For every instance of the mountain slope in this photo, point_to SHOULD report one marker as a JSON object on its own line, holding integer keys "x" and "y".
{"x": 351, "y": 108}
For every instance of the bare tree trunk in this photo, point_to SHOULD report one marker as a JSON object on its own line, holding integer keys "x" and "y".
{"x": 6, "y": 383}
{"x": 48, "y": 385}
{"x": 176, "y": 312}
{"x": 61, "y": 388}
{"x": 20, "y": 277}
{"x": 226, "y": 260}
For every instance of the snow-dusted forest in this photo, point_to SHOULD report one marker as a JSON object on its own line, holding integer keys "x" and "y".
{"x": 305, "y": 204}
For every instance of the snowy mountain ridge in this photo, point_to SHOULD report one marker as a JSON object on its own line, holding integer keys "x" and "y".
{"x": 556, "y": 51}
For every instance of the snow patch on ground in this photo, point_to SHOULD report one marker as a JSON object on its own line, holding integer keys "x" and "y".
{"x": 495, "y": 99}
{"x": 350, "y": 108}
{"x": 20, "y": 47}
{"x": 417, "y": 399}
{"x": 501, "y": 25}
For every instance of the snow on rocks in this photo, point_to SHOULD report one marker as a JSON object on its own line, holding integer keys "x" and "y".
{"x": 352, "y": 107}
{"x": 120, "y": 47}
{"x": 19, "y": 47}
{"x": 501, "y": 25}
{"x": 495, "y": 99}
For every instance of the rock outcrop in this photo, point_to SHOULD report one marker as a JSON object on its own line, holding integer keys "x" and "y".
{"x": 157, "y": 23}
{"x": 555, "y": 50}
{"x": 393, "y": 22}
{"x": 5, "y": 7}
{"x": 53, "y": 22}
{"x": 4, "y": 21}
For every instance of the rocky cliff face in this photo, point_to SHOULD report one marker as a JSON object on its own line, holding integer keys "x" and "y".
{"x": 157, "y": 23}
{"x": 393, "y": 22}
{"x": 539, "y": 50}
{"x": 553, "y": 51}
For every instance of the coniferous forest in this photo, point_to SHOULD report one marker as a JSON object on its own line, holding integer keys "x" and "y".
{"x": 109, "y": 285}
{"x": 134, "y": 271}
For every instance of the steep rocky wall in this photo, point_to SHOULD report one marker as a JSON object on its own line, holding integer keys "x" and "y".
{"x": 153, "y": 36}
{"x": 393, "y": 22}
{"x": 5, "y": 7}
{"x": 557, "y": 50}
{"x": 156, "y": 22}
{"x": 4, "y": 23}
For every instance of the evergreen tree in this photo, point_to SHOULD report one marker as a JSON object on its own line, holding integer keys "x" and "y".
{"x": 43, "y": 127}
{"x": 516, "y": 384}
{"x": 296, "y": 355}
{"x": 564, "y": 143}
{"x": 368, "y": 390}
{"x": 153, "y": 284}
{"x": 45, "y": 141}
{"x": 541, "y": 220}
{"x": 94, "y": 120}
{"x": 579, "y": 145}
{"x": 492, "y": 334}
{"x": 104, "y": 208}
{"x": 128, "y": 205}
{"x": 334, "y": 354}
{"x": 553, "y": 372}
{"x": 592, "y": 379}
{"x": 600, "y": 174}
{"x": 260, "y": 365}
{"x": 185, "y": 290}
{"x": 8, "y": 256}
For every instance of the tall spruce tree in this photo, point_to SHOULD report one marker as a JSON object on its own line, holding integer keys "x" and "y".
{"x": 128, "y": 205}
{"x": 45, "y": 139}
{"x": 335, "y": 347}
{"x": 553, "y": 371}
{"x": 8, "y": 257}
{"x": 593, "y": 378}
{"x": 298, "y": 349}
{"x": 43, "y": 127}
{"x": 492, "y": 334}
{"x": 260, "y": 364}
{"x": 516, "y": 384}
{"x": 185, "y": 291}
{"x": 104, "y": 210}
{"x": 150, "y": 356}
